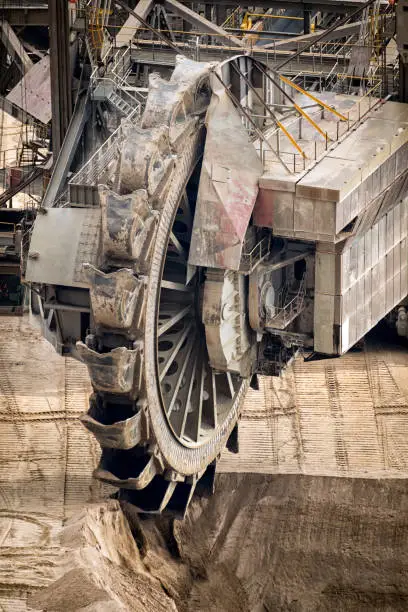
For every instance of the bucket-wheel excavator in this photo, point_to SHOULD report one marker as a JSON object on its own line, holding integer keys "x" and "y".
{"x": 177, "y": 270}
{"x": 149, "y": 285}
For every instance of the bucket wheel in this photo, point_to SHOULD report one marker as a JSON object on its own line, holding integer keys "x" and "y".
{"x": 160, "y": 412}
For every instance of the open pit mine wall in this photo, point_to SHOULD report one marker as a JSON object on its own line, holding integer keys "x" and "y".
{"x": 353, "y": 206}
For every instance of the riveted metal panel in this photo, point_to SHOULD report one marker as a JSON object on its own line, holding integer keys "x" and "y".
{"x": 62, "y": 240}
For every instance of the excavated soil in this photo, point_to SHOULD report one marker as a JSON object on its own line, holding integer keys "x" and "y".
{"x": 263, "y": 542}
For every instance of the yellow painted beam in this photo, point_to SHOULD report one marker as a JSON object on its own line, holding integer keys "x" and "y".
{"x": 309, "y": 95}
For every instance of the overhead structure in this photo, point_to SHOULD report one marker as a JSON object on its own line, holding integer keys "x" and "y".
{"x": 14, "y": 46}
{"x": 338, "y": 33}
{"x": 132, "y": 24}
{"x": 202, "y": 24}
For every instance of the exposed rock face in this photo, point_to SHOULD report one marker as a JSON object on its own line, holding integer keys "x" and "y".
{"x": 298, "y": 543}
{"x": 102, "y": 569}
{"x": 261, "y": 543}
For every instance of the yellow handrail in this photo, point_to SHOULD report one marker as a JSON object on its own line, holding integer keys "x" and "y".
{"x": 309, "y": 95}
{"x": 292, "y": 140}
{"x": 231, "y": 17}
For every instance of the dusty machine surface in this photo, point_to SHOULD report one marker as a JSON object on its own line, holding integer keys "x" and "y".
{"x": 193, "y": 252}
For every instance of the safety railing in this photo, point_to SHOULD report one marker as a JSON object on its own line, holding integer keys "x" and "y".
{"x": 122, "y": 63}
{"x": 106, "y": 85}
{"x": 250, "y": 259}
{"x": 231, "y": 20}
{"x": 83, "y": 187}
{"x": 271, "y": 148}
{"x": 281, "y": 316}
{"x": 227, "y": 45}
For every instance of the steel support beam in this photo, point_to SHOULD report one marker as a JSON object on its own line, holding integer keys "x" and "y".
{"x": 203, "y": 25}
{"x": 341, "y": 32}
{"x": 306, "y": 19}
{"x": 33, "y": 50}
{"x": 147, "y": 52}
{"x": 14, "y": 47}
{"x": 67, "y": 151}
{"x": 129, "y": 29}
{"x": 60, "y": 67}
{"x": 403, "y": 81}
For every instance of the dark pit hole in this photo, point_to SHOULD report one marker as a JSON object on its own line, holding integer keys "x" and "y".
{"x": 124, "y": 463}
{"x": 150, "y": 498}
{"x": 165, "y": 345}
{"x": 185, "y": 245}
{"x": 180, "y": 227}
{"x": 109, "y": 414}
{"x": 177, "y": 327}
{"x": 172, "y": 369}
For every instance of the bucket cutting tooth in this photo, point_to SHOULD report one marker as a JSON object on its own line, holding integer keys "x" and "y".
{"x": 158, "y": 496}
{"x": 114, "y": 372}
{"x": 127, "y": 469}
{"x": 115, "y": 425}
{"x": 128, "y": 227}
{"x": 116, "y": 297}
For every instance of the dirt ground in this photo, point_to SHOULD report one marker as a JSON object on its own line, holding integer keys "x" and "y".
{"x": 263, "y": 542}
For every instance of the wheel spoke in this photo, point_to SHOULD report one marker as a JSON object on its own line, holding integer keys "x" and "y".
{"x": 168, "y": 324}
{"x": 170, "y": 360}
{"x": 179, "y": 247}
{"x": 166, "y": 284}
{"x": 178, "y": 418}
{"x": 200, "y": 401}
{"x": 195, "y": 398}
{"x": 193, "y": 421}
{"x": 172, "y": 403}
{"x": 214, "y": 402}
{"x": 190, "y": 273}
{"x": 189, "y": 395}
{"x": 185, "y": 207}
{"x": 230, "y": 384}
{"x": 209, "y": 412}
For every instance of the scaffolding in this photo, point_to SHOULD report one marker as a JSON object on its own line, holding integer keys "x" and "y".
{"x": 24, "y": 141}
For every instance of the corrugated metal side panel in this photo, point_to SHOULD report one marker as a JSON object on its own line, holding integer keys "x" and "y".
{"x": 374, "y": 273}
